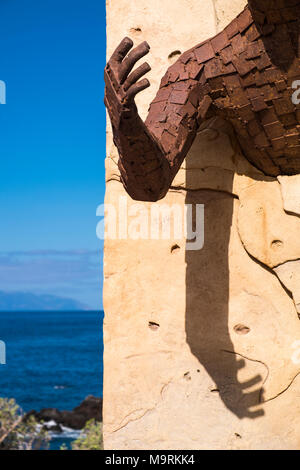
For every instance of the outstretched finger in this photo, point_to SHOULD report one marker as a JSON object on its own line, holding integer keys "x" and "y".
{"x": 137, "y": 87}
{"x": 136, "y": 75}
{"x": 129, "y": 62}
{"x": 121, "y": 51}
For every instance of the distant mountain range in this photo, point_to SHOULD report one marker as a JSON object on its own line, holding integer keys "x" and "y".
{"x": 25, "y": 301}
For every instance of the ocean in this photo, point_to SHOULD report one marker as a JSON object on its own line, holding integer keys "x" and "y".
{"x": 53, "y": 360}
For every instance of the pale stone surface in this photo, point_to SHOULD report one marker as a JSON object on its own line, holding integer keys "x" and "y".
{"x": 268, "y": 233}
{"x": 202, "y": 347}
{"x": 289, "y": 275}
{"x": 290, "y": 191}
{"x": 224, "y": 13}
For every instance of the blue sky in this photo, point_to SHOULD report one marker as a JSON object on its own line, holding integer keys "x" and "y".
{"x": 52, "y": 146}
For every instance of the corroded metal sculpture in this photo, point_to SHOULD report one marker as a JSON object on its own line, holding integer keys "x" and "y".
{"x": 244, "y": 74}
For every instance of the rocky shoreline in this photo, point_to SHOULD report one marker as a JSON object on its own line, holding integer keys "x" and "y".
{"x": 54, "y": 419}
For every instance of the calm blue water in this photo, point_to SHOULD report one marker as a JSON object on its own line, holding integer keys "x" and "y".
{"x": 53, "y": 359}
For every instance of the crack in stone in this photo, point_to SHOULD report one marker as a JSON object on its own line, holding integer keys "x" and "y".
{"x": 271, "y": 271}
{"x": 112, "y": 178}
{"x": 287, "y": 261}
{"x": 208, "y": 167}
{"x": 113, "y": 159}
{"x": 164, "y": 387}
{"x": 132, "y": 420}
{"x": 253, "y": 360}
{"x": 284, "y": 390}
{"x": 223, "y": 191}
{"x": 131, "y": 356}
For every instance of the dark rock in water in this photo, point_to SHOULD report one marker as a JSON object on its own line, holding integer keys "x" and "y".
{"x": 46, "y": 414}
{"x": 90, "y": 408}
{"x": 52, "y": 427}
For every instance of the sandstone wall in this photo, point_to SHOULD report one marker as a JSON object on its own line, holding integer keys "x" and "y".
{"x": 201, "y": 346}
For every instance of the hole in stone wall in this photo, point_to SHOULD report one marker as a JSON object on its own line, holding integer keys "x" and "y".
{"x": 153, "y": 326}
{"x": 136, "y": 30}
{"x": 174, "y": 55}
{"x": 277, "y": 244}
{"x": 241, "y": 329}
